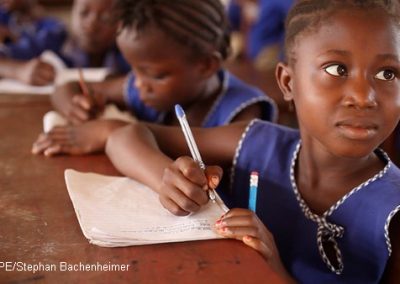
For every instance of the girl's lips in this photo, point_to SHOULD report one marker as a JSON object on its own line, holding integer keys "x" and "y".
{"x": 357, "y": 130}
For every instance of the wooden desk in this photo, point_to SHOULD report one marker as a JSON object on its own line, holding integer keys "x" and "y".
{"x": 38, "y": 223}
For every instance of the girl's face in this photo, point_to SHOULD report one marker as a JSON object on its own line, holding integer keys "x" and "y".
{"x": 93, "y": 26}
{"x": 346, "y": 82}
{"x": 164, "y": 75}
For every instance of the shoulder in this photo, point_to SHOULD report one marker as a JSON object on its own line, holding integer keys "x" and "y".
{"x": 262, "y": 133}
{"x": 392, "y": 269}
{"x": 50, "y": 24}
{"x": 391, "y": 179}
{"x": 233, "y": 83}
{"x": 240, "y": 96}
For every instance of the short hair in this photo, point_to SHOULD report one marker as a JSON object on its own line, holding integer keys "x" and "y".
{"x": 200, "y": 25}
{"x": 307, "y": 15}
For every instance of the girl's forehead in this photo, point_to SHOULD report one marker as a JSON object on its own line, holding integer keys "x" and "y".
{"x": 355, "y": 26}
{"x": 355, "y": 35}
{"x": 151, "y": 42}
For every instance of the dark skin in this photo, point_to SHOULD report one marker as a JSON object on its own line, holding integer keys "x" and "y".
{"x": 88, "y": 17}
{"x": 163, "y": 81}
{"x": 348, "y": 102}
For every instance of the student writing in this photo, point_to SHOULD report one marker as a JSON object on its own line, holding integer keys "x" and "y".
{"x": 328, "y": 197}
{"x": 186, "y": 70}
{"x": 24, "y": 34}
{"x": 84, "y": 46}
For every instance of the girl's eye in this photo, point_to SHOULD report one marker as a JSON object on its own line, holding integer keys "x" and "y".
{"x": 336, "y": 70}
{"x": 385, "y": 75}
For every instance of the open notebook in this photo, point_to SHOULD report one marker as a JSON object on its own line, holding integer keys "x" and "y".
{"x": 118, "y": 211}
{"x": 64, "y": 75}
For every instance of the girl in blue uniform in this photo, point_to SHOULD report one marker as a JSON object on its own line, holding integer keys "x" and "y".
{"x": 328, "y": 198}
{"x": 29, "y": 35}
{"x": 186, "y": 70}
{"x": 24, "y": 34}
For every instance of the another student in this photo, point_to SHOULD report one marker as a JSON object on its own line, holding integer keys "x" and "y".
{"x": 24, "y": 34}
{"x": 328, "y": 197}
{"x": 186, "y": 70}
{"x": 260, "y": 24}
{"x": 92, "y": 40}
{"x": 91, "y": 43}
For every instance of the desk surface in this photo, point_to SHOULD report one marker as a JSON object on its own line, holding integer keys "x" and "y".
{"x": 39, "y": 226}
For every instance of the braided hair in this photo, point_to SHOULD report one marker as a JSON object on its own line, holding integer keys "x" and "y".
{"x": 201, "y": 25}
{"x": 307, "y": 15}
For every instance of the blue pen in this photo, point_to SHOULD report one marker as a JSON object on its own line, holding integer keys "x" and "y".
{"x": 191, "y": 143}
{"x": 253, "y": 191}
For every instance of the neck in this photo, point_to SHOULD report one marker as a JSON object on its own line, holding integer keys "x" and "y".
{"x": 323, "y": 178}
{"x": 211, "y": 88}
{"x": 198, "y": 107}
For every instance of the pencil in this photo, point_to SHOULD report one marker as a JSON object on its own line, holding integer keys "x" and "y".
{"x": 83, "y": 85}
{"x": 86, "y": 92}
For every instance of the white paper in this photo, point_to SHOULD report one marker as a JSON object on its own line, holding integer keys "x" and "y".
{"x": 118, "y": 211}
{"x": 53, "y": 118}
{"x": 63, "y": 75}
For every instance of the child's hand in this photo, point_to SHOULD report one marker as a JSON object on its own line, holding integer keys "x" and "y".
{"x": 244, "y": 225}
{"x": 36, "y": 72}
{"x": 77, "y": 108}
{"x": 81, "y": 139}
{"x": 184, "y": 186}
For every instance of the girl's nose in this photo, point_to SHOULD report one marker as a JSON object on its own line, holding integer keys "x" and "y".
{"x": 360, "y": 94}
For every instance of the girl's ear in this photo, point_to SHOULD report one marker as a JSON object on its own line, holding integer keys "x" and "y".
{"x": 209, "y": 65}
{"x": 284, "y": 77}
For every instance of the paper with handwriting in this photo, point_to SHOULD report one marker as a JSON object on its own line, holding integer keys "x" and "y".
{"x": 118, "y": 211}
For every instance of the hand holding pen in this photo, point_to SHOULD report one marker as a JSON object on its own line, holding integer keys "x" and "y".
{"x": 93, "y": 109}
{"x": 195, "y": 151}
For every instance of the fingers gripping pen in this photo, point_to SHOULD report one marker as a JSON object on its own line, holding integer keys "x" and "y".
{"x": 192, "y": 143}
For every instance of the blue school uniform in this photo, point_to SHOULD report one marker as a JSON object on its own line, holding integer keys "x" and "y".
{"x": 49, "y": 34}
{"x": 234, "y": 97}
{"x": 269, "y": 28}
{"x": 33, "y": 38}
{"x": 357, "y": 224}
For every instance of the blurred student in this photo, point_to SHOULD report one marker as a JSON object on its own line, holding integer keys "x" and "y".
{"x": 260, "y": 26}
{"x": 24, "y": 34}
{"x": 176, "y": 50}
{"x": 91, "y": 43}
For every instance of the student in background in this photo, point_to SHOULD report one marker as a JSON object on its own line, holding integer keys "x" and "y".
{"x": 92, "y": 40}
{"x": 91, "y": 43}
{"x": 24, "y": 34}
{"x": 260, "y": 26}
{"x": 186, "y": 70}
{"x": 328, "y": 197}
